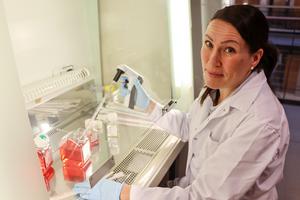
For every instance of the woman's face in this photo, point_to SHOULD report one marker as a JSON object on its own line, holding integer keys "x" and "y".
{"x": 225, "y": 56}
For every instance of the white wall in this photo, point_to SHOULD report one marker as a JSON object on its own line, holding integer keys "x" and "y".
{"x": 47, "y": 35}
{"x": 20, "y": 174}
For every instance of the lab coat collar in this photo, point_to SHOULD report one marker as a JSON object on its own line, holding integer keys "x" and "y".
{"x": 240, "y": 99}
{"x": 246, "y": 93}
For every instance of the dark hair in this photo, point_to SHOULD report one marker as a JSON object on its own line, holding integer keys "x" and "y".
{"x": 253, "y": 27}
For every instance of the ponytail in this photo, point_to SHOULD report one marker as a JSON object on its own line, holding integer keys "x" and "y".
{"x": 268, "y": 60}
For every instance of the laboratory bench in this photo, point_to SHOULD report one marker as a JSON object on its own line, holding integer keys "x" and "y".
{"x": 127, "y": 141}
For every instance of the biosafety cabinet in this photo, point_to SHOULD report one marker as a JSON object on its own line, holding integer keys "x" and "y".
{"x": 66, "y": 54}
{"x": 79, "y": 137}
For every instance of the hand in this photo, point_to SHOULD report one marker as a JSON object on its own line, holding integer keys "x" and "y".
{"x": 142, "y": 99}
{"x": 103, "y": 190}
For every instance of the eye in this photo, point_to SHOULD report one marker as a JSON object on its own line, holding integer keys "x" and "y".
{"x": 208, "y": 44}
{"x": 229, "y": 50}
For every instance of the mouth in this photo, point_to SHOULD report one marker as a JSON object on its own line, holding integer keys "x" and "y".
{"x": 214, "y": 74}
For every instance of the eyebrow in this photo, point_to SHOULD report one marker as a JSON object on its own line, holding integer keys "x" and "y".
{"x": 226, "y": 41}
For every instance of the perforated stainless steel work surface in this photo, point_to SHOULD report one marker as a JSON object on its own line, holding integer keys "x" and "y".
{"x": 141, "y": 155}
{"x": 153, "y": 140}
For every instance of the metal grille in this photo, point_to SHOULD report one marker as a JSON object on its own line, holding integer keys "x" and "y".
{"x": 153, "y": 140}
{"x": 140, "y": 156}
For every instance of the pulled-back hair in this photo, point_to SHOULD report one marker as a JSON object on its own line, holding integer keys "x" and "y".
{"x": 253, "y": 27}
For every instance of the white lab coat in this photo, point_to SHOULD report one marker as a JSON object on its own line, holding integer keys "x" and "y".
{"x": 236, "y": 152}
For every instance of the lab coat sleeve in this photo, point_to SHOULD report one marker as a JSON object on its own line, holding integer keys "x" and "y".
{"x": 230, "y": 171}
{"x": 174, "y": 122}
{"x": 143, "y": 193}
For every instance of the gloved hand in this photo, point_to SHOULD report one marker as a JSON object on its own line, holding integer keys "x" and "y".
{"x": 124, "y": 89}
{"x": 142, "y": 99}
{"x": 103, "y": 190}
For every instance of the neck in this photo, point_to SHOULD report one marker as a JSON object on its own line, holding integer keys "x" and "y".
{"x": 223, "y": 95}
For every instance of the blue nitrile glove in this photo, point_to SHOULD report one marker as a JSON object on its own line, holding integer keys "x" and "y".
{"x": 124, "y": 89}
{"x": 105, "y": 189}
{"x": 142, "y": 98}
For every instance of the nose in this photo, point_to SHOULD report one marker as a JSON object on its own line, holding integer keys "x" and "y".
{"x": 214, "y": 59}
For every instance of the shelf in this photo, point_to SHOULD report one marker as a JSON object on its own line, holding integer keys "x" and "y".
{"x": 42, "y": 91}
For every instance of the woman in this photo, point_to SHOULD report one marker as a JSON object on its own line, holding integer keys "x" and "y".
{"x": 237, "y": 130}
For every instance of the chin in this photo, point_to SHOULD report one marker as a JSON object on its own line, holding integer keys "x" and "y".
{"x": 212, "y": 84}
{"x": 213, "y": 87}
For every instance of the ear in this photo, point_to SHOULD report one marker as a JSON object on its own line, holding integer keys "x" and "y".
{"x": 256, "y": 57}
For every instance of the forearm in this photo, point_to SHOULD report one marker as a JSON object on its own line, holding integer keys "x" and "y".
{"x": 125, "y": 192}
